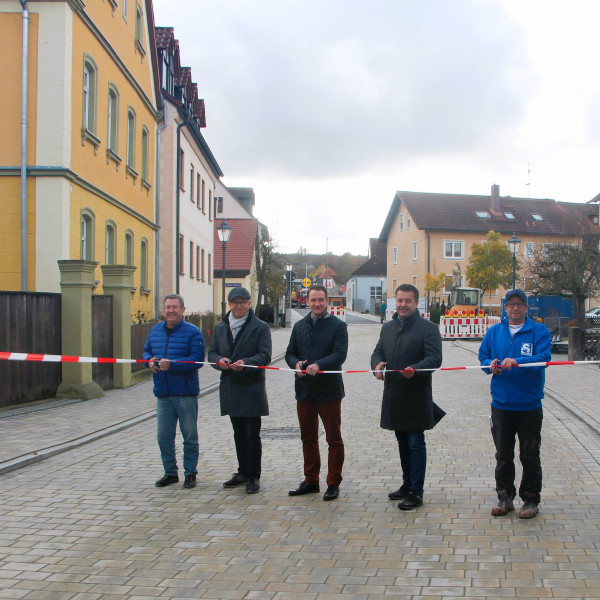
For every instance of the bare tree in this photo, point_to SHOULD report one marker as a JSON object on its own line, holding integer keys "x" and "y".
{"x": 566, "y": 270}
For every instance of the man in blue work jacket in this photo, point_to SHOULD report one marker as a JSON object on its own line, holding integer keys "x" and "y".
{"x": 516, "y": 401}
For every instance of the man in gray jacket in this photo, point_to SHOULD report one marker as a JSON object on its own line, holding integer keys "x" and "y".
{"x": 242, "y": 339}
{"x": 407, "y": 343}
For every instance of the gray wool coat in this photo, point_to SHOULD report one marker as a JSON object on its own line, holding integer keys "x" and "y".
{"x": 243, "y": 393}
{"x": 408, "y": 403}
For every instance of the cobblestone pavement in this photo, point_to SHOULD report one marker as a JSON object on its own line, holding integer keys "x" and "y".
{"x": 89, "y": 523}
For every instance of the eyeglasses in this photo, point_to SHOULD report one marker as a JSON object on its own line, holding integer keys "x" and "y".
{"x": 514, "y": 305}
{"x": 238, "y": 304}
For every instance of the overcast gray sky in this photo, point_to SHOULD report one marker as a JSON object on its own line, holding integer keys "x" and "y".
{"x": 327, "y": 107}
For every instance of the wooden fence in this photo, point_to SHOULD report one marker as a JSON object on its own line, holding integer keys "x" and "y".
{"x": 102, "y": 339}
{"x": 29, "y": 322}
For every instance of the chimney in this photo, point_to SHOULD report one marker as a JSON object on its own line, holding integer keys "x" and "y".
{"x": 495, "y": 205}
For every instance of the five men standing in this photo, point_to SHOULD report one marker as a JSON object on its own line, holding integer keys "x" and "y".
{"x": 406, "y": 343}
{"x": 319, "y": 342}
{"x": 516, "y": 401}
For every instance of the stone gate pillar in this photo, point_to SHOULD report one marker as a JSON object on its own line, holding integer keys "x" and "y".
{"x": 117, "y": 281}
{"x": 76, "y": 284}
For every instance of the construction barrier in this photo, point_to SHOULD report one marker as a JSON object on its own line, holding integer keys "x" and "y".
{"x": 338, "y": 311}
{"x": 466, "y": 327}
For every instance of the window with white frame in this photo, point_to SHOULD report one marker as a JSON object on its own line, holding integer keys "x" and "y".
{"x": 131, "y": 138}
{"x": 110, "y": 244}
{"x": 394, "y": 285}
{"x": 87, "y": 235}
{"x": 415, "y": 250}
{"x": 453, "y": 249}
{"x": 144, "y": 266}
{"x": 128, "y": 248}
{"x": 395, "y": 256}
{"x": 113, "y": 120}
{"x": 192, "y": 177}
{"x": 408, "y": 222}
{"x": 202, "y": 278}
{"x": 145, "y": 154}
{"x": 529, "y": 250}
{"x": 90, "y": 89}
{"x": 401, "y": 222}
{"x": 375, "y": 292}
{"x": 139, "y": 28}
{"x": 191, "y": 259}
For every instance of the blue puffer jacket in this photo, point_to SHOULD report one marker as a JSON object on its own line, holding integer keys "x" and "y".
{"x": 185, "y": 343}
{"x": 517, "y": 389}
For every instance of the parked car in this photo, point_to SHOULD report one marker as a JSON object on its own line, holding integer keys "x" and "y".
{"x": 593, "y": 313}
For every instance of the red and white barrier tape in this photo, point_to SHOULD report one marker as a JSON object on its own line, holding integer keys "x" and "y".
{"x": 20, "y": 356}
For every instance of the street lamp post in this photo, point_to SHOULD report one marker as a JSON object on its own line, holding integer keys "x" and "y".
{"x": 514, "y": 244}
{"x": 288, "y": 268}
{"x": 224, "y": 232}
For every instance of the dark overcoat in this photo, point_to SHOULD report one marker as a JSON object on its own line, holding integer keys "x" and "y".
{"x": 408, "y": 403}
{"x": 325, "y": 343}
{"x": 242, "y": 393}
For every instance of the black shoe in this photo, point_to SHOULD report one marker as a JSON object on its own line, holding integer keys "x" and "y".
{"x": 400, "y": 493}
{"x": 505, "y": 505}
{"x": 235, "y": 481}
{"x": 190, "y": 481}
{"x": 411, "y": 502}
{"x": 252, "y": 486}
{"x": 333, "y": 491}
{"x": 304, "y": 488}
{"x": 167, "y": 480}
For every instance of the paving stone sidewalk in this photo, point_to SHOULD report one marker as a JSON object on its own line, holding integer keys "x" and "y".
{"x": 89, "y": 523}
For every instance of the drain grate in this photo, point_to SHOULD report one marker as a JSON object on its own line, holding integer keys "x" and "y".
{"x": 280, "y": 432}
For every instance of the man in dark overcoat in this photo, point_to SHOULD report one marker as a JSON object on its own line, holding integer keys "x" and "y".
{"x": 408, "y": 342}
{"x": 242, "y": 339}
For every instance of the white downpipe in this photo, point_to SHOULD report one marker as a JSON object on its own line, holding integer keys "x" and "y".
{"x": 24, "y": 76}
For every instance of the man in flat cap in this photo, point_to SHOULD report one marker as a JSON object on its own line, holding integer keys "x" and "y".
{"x": 240, "y": 340}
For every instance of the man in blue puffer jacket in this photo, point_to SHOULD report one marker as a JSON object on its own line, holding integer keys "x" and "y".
{"x": 175, "y": 349}
{"x": 516, "y": 401}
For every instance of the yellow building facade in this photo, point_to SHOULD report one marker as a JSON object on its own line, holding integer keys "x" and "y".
{"x": 92, "y": 121}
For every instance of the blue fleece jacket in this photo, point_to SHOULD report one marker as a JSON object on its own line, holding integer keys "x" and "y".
{"x": 517, "y": 389}
{"x": 185, "y": 343}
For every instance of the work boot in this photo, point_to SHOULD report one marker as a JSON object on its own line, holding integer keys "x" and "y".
{"x": 505, "y": 505}
{"x": 529, "y": 510}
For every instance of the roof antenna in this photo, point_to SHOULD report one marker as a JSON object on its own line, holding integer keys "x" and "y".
{"x": 528, "y": 184}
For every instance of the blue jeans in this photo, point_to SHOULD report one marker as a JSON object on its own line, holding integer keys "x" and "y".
{"x": 413, "y": 458}
{"x": 168, "y": 411}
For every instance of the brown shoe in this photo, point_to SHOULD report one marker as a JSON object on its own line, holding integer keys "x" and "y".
{"x": 505, "y": 505}
{"x": 529, "y": 510}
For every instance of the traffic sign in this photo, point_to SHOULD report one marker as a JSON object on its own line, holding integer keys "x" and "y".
{"x": 343, "y": 289}
{"x": 306, "y": 282}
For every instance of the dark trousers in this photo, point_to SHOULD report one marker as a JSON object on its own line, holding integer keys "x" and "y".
{"x": 248, "y": 446}
{"x": 527, "y": 425}
{"x": 413, "y": 459}
{"x": 330, "y": 412}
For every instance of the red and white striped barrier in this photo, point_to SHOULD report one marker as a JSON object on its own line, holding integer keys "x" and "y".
{"x": 21, "y": 356}
{"x": 338, "y": 311}
{"x": 466, "y": 327}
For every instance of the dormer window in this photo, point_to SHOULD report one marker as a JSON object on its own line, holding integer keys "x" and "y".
{"x": 509, "y": 216}
{"x": 483, "y": 214}
{"x": 537, "y": 217}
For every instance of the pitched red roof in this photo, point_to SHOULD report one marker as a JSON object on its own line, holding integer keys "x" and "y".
{"x": 458, "y": 212}
{"x": 240, "y": 249}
